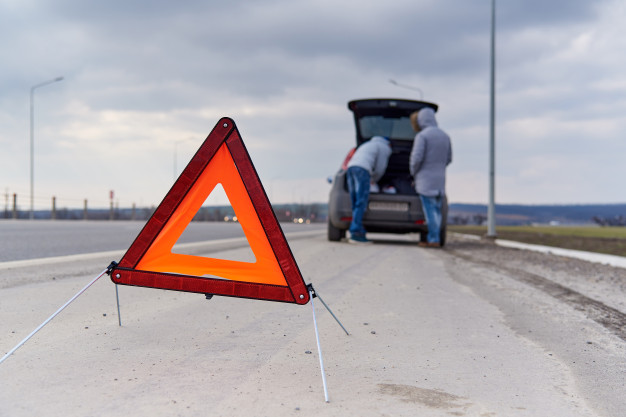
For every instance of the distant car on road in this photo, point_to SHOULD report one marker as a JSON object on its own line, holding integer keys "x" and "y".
{"x": 396, "y": 207}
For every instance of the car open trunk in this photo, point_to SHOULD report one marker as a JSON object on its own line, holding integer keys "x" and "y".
{"x": 396, "y": 208}
{"x": 389, "y": 118}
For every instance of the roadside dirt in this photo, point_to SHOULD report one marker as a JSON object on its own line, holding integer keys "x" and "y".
{"x": 595, "y": 289}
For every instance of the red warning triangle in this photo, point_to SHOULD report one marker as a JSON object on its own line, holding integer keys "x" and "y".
{"x": 150, "y": 262}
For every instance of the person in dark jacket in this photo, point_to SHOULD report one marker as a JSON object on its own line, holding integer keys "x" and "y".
{"x": 366, "y": 167}
{"x": 431, "y": 154}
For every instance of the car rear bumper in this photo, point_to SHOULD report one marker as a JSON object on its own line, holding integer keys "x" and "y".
{"x": 386, "y": 213}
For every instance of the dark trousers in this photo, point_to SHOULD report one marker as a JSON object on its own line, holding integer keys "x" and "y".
{"x": 359, "y": 187}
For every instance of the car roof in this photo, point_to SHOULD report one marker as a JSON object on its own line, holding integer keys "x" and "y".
{"x": 389, "y": 107}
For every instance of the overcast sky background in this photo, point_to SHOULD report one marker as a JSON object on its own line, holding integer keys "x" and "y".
{"x": 147, "y": 80}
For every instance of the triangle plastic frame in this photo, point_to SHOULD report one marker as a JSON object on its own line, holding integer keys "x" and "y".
{"x": 224, "y": 139}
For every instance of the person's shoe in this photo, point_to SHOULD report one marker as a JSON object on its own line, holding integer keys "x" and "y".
{"x": 359, "y": 239}
{"x": 434, "y": 245}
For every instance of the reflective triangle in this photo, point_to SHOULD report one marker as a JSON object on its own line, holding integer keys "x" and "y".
{"x": 150, "y": 262}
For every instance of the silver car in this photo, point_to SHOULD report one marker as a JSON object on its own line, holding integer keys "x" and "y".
{"x": 396, "y": 207}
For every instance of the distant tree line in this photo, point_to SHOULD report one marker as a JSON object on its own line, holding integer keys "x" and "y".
{"x": 612, "y": 221}
{"x": 463, "y": 219}
{"x": 461, "y": 214}
{"x": 520, "y": 214}
{"x": 299, "y": 213}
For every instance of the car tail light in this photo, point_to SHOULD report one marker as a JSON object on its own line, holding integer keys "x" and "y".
{"x": 419, "y": 222}
{"x": 346, "y": 219}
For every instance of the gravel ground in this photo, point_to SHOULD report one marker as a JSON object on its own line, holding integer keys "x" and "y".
{"x": 583, "y": 284}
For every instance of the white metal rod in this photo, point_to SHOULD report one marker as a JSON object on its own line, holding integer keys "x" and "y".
{"x": 319, "y": 349}
{"x": 117, "y": 298}
{"x": 331, "y": 313}
{"x": 52, "y": 316}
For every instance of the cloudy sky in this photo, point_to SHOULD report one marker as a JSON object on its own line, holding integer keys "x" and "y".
{"x": 146, "y": 81}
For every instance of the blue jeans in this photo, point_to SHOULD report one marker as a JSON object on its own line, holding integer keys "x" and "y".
{"x": 432, "y": 211}
{"x": 359, "y": 187}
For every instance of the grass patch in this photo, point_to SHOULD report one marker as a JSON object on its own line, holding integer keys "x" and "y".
{"x": 609, "y": 240}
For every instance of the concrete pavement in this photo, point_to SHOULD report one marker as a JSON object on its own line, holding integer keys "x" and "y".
{"x": 431, "y": 335}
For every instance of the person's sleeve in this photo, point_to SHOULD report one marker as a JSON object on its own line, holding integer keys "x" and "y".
{"x": 417, "y": 154}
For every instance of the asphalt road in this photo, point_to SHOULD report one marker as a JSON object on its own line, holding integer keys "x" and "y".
{"x": 471, "y": 330}
{"x": 21, "y": 239}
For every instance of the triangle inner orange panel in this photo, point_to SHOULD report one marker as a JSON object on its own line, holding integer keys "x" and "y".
{"x": 150, "y": 262}
{"x": 159, "y": 257}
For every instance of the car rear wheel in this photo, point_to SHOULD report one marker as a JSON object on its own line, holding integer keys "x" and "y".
{"x": 335, "y": 234}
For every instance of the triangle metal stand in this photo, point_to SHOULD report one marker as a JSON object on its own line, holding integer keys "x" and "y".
{"x": 112, "y": 265}
{"x": 56, "y": 313}
{"x": 313, "y": 294}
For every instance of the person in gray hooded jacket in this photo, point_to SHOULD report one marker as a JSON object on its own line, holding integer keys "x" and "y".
{"x": 431, "y": 154}
{"x": 367, "y": 166}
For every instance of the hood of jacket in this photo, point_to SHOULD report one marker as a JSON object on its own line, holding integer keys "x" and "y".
{"x": 426, "y": 118}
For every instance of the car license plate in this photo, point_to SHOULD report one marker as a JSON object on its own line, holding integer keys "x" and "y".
{"x": 388, "y": 206}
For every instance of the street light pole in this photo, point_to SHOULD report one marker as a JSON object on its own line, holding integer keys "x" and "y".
{"x": 491, "y": 211}
{"x": 32, "y": 140}
{"x": 175, "y": 159}
{"x": 410, "y": 87}
{"x": 176, "y": 155}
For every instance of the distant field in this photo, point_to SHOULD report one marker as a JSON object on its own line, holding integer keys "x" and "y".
{"x": 610, "y": 240}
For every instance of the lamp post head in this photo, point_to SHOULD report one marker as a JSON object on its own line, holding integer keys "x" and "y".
{"x": 410, "y": 87}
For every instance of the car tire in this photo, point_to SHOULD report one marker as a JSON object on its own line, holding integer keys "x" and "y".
{"x": 335, "y": 234}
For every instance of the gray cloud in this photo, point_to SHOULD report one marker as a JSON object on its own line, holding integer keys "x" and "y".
{"x": 140, "y": 75}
